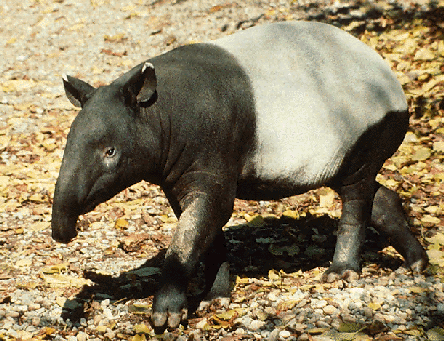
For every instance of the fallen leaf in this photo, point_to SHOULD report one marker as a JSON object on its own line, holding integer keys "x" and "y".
{"x": 121, "y": 224}
{"x": 374, "y": 306}
{"x": 55, "y": 269}
{"x": 430, "y": 219}
{"x": 142, "y": 329}
{"x": 422, "y": 153}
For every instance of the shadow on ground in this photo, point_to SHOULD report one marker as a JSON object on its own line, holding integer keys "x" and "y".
{"x": 277, "y": 244}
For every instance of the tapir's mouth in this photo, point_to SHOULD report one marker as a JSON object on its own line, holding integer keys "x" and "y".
{"x": 63, "y": 236}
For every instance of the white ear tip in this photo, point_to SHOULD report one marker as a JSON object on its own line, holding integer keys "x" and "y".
{"x": 65, "y": 77}
{"x": 146, "y": 66}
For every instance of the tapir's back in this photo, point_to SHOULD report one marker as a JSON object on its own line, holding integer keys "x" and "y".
{"x": 317, "y": 89}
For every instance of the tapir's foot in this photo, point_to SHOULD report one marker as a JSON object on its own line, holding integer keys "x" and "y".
{"x": 169, "y": 309}
{"x": 417, "y": 266}
{"x": 341, "y": 271}
{"x": 220, "y": 289}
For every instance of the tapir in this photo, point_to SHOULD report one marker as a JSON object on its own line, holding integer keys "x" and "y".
{"x": 265, "y": 113}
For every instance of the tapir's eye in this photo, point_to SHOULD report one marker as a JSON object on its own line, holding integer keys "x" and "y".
{"x": 110, "y": 152}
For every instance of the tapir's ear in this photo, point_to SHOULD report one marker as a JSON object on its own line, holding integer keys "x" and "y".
{"x": 140, "y": 83}
{"x": 77, "y": 90}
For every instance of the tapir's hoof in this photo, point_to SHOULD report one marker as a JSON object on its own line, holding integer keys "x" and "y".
{"x": 416, "y": 267}
{"x": 161, "y": 321}
{"x": 336, "y": 273}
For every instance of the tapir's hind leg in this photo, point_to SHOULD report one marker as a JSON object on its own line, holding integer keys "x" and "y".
{"x": 389, "y": 218}
{"x": 357, "y": 198}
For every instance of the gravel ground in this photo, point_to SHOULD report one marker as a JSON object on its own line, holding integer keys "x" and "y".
{"x": 42, "y": 284}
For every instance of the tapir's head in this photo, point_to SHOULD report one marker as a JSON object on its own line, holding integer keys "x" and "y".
{"x": 100, "y": 157}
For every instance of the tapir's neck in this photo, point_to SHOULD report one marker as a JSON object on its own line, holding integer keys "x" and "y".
{"x": 150, "y": 145}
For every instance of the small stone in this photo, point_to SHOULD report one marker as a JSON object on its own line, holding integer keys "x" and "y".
{"x": 274, "y": 335}
{"x": 111, "y": 335}
{"x": 284, "y": 334}
{"x": 81, "y": 336}
{"x": 329, "y": 310}
{"x": 322, "y": 324}
{"x": 256, "y": 324}
{"x": 33, "y": 306}
{"x": 105, "y": 303}
{"x": 299, "y": 327}
{"x": 35, "y": 321}
{"x": 319, "y": 304}
{"x": 202, "y": 323}
{"x": 13, "y": 314}
{"x": 108, "y": 313}
{"x": 240, "y": 331}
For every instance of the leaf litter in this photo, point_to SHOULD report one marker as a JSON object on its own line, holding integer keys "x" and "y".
{"x": 100, "y": 286}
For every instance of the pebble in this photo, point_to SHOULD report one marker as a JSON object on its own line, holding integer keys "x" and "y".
{"x": 329, "y": 310}
{"x": 256, "y": 324}
{"x": 284, "y": 334}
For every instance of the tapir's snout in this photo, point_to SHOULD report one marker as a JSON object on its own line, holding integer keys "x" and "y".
{"x": 63, "y": 228}
{"x": 62, "y": 236}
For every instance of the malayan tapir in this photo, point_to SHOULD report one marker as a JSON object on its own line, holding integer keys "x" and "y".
{"x": 262, "y": 114}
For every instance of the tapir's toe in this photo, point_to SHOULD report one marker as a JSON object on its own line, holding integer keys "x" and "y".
{"x": 159, "y": 322}
{"x": 169, "y": 308}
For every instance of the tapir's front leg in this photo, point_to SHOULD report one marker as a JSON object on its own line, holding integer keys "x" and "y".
{"x": 204, "y": 214}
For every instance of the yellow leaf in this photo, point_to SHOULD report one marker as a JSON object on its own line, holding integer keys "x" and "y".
{"x": 436, "y": 239}
{"x": 102, "y": 329}
{"x": 4, "y": 181}
{"x": 49, "y": 330}
{"x": 167, "y": 219}
{"x": 55, "y": 269}
{"x": 430, "y": 219}
{"x": 290, "y": 214}
{"x": 288, "y": 305}
{"x": 438, "y": 146}
{"x": 255, "y": 221}
{"x": 316, "y": 331}
{"x": 121, "y": 224}
{"x": 228, "y": 315}
{"x": 142, "y": 329}
{"x": 61, "y": 301}
{"x": 374, "y": 306}
{"x": 417, "y": 290}
{"x": 424, "y": 54}
{"x": 436, "y": 333}
{"x": 422, "y": 153}
{"x": 351, "y": 327}
{"x": 138, "y": 337}
{"x": 412, "y": 332}
{"x": 273, "y": 275}
{"x": 436, "y": 256}
{"x": 62, "y": 281}
{"x": 240, "y": 280}
{"x": 115, "y": 38}
{"x": 17, "y": 85}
